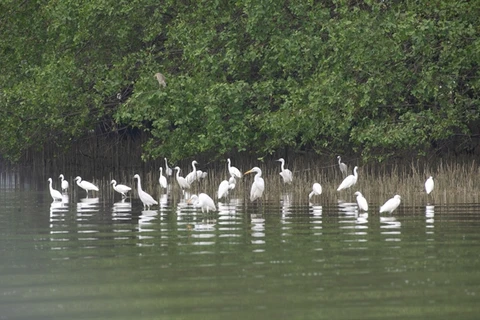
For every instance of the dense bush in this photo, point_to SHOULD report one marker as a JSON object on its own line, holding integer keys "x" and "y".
{"x": 374, "y": 77}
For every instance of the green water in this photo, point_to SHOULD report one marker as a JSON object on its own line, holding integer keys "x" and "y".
{"x": 101, "y": 258}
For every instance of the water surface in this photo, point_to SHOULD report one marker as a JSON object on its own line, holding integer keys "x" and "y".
{"x": 107, "y": 258}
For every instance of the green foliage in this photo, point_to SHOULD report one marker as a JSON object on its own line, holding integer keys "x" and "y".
{"x": 380, "y": 78}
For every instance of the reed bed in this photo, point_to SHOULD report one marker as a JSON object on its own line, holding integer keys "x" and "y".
{"x": 455, "y": 179}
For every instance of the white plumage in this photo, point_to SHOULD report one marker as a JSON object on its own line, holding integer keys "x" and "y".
{"x": 194, "y": 174}
{"x": 233, "y": 170}
{"x": 391, "y": 204}
{"x": 146, "y": 199}
{"x": 120, "y": 188}
{"x": 285, "y": 173}
{"x": 182, "y": 182}
{"x": 361, "y": 201}
{"x": 349, "y": 181}
{"x": 85, "y": 185}
{"x": 203, "y": 201}
{"x": 162, "y": 180}
{"x": 223, "y": 189}
{"x": 168, "y": 170}
{"x": 258, "y": 185}
{"x": 316, "y": 190}
{"x": 64, "y": 183}
{"x": 429, "y": 184}
{"x": 56, "y": 195}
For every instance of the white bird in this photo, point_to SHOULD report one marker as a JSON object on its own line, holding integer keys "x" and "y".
{"x": 429, "y": 184}
{"x": 162, "y": 180}
{"x": 193, "y": 175}
{"x": 64, "y": 183}
{"x": 316, "y": 190}
{"x": 168, "y": 170}
{"x": 343, "y": 167}
{"x": 285, "y": 173}
{"x": 56, "y": 195}
{"x": 146, "y": 199}
{"x": 391, "y": 204}
{"x": 349, "y": 181}
{"x": 85, "y": 185}
{"x": 258, "y": 185}
{"x": 223, "y": 189}
{"x": 182, "y": 182}
{"x": 232, "y": 182}
{"x": 120, "y": 188}
{"x": 233, "y": 170}
{"x": 203, "y": 201}
{"x": 361, "y": 201}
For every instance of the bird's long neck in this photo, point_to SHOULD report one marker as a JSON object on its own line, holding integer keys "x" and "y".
{"x": 78, "y": 182}
{"x": 193, "y": 166}
{"x": 283, "y": 166}
{"x": 355, "y": 172}
{"x": 339, "y": 160}
{"x": 50, "y": 183}
{"x": 139, "y": 184}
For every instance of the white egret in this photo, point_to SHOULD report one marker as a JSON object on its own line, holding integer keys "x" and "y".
{"x": 223, "y": 189}
{"x": 162, "y": 180}
{"x": 232, "y": 182}
{"x": 349, "y": 181}
{"x": 146, "y": 199}
{"x": 258, "y": 185}
{"x": 285, "y": 173}
{"x": 316, "y": 190}
{"x": 56, "y": 195}
{"x": 120, "y": 188}
{"x": 193, "y": 175}
{"x": 203, "y": 201}
{"x": 429, "y": 184}
{"x": 391, "y": 204}
{"x": 168, "y": 170}
{"x": 361, "y": 201}
{"x": 233, "y": 170}
{"x": 182, "y": 182}
{"x": 343, "y": 167}
{"x": 64, "y": 183}
{"x": 85, "y": 185}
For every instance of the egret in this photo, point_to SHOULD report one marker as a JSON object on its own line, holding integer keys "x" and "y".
{"x": 193, "y": 175}
{"x": 232, "y": 182}
{"x": 64, "y": 183}
{"x": 161, "y": 79}
{"x": 233, "y": 170}
{"x": 316, "y": 190}
{"x": 361, "y": 201}
{"x": 391, "y": 204}
{"x": 258, "y": 185}
{"x": 162, "y": 179}
{"x": 85, "y": 185}
{"x": 168, "y": 170}
{"x": 223, "y": 189}
{"x": 56, "y": 195}
{"x": 182, "y": 182}
{"x": 285, "y": 173}
{"x": 349, "y": 181}
{"x": 146, "y": 199}
{"x": 203, "y": 201}
{"x": 429, "y": 184}
{"x": 120, "y": 188}
{"x": 343, "y": 167}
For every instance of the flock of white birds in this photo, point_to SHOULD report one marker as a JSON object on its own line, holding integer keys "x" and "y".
{"x": 206, "y": 203}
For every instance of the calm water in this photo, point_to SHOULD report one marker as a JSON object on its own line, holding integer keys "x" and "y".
{"x": 103, "y": 258}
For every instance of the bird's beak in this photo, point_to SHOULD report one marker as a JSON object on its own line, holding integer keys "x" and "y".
{"x": 249, "y": 171}
{"x": 189, "y": 201}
